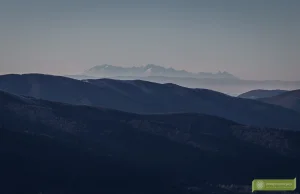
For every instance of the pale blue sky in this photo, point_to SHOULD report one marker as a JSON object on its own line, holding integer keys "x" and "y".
{"x": 257, "y": 39}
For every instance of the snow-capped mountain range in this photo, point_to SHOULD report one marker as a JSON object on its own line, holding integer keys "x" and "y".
{"x": 150, "y": 70}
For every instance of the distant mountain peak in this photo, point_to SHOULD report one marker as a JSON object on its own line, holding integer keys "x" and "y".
{"x": 106, "y": 70}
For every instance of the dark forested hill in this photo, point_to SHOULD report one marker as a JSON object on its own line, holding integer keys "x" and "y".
{"x": 147, "y": 97}
{"x": 50, "y": 147}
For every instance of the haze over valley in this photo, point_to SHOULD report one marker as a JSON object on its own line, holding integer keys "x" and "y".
{"x": 220, "y": 81}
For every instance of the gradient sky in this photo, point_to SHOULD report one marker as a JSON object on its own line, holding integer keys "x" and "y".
{"x": 257, "y": 39}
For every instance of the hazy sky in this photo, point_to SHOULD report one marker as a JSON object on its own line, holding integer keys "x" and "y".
{"x": 253, "y": 39}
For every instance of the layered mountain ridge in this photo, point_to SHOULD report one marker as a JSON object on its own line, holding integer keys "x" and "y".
{"x": 147, "y": 98}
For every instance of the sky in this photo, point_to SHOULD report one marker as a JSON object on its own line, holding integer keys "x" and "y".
{"x": 257, "y": 39}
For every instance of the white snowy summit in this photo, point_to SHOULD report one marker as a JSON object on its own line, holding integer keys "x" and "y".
{"x": 150, "y": 70}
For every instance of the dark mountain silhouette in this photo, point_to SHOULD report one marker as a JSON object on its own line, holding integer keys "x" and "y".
{"x": 255, "y": 94}
{"x": 147, "y": 97}
{"x": 49, "y": 147}
{"x": 101, "y": 71}
{"x": 289, "y": 100}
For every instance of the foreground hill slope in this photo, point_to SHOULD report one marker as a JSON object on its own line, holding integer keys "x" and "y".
{"x": 52, "y": 147}
{"x": 289, "y": 100}
{"x": 147, "y": 97}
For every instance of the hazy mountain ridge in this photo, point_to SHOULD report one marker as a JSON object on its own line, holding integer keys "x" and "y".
{"x": 150, "y": 70}
{"x": 129, "y": 152}
{"x": 255, "y": 94}
{"x": 147, "y": 97}
{"x": 290, "y": 99}
{"x": 229, "y": 86}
